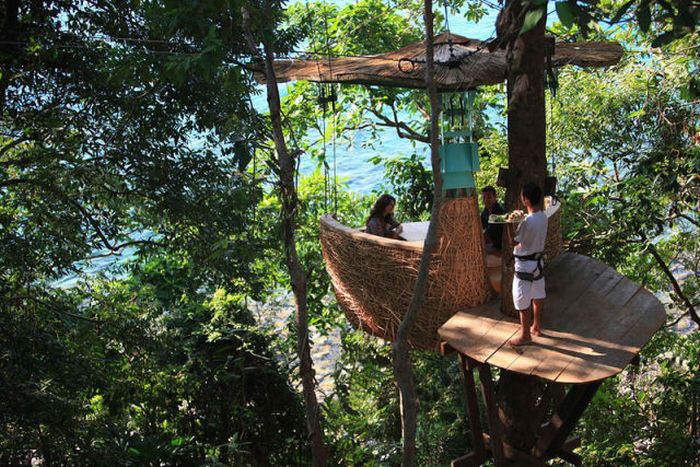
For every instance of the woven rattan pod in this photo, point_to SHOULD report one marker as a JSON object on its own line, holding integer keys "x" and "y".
{"x": 373, "y": 277}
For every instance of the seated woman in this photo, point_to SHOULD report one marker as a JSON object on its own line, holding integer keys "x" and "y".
{"x": 381, "y": 218}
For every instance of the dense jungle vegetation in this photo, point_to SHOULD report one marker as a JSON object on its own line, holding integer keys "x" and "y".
{"x": 127, "y": 132}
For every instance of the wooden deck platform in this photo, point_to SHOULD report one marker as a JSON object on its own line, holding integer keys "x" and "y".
{"x": 595, "y": 322}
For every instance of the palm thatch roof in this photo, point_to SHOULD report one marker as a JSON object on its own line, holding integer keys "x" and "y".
{"x": 466, "y": 65}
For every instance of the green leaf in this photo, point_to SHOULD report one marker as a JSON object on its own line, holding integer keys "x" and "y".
{"x": 179, "y": 441}
{"x": 532, "y": 17}
{"x": 690, "y": 91}
{"x": 565, "y": 14}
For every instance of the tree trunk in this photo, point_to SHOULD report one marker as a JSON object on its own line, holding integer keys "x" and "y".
{"x": 517, "y": 401}
{"x": 526, "y": 132}
{"x": 402, "y": 359}
{"x": 526, "y": 163}
{"x": 319, "y": 451}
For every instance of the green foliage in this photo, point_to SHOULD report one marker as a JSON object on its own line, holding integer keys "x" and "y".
{"x": 665, "y": 21}
{"x": 412, "y": 185}
{"x": 626, "y": 160}
{"x": 124, "y": 128}
{"x": 361, "y": 28}
{"x": 317, "y": 196}
{"x": 362, "y": 416}
{"x": 156, "y": 367}
{"x": 532, "y": 17}
{"x": 643, "y": 417}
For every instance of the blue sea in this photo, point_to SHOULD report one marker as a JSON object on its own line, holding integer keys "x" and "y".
{"x": 354, "y": 168}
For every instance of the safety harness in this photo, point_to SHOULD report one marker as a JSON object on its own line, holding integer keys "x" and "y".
{"x": 538, "y": 273}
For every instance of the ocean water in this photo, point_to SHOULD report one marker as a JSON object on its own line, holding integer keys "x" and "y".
{"x": 354, "y": 168}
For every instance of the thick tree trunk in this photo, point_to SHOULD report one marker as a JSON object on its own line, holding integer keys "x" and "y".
{"x": 517, "y": 402}
{"x": 402, "y": 359}
{"x": 526, "y": 132}
{"x": 297, "y": 275}
{"x": 526, "y": 162}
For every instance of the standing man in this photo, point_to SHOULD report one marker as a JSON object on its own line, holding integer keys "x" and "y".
{"x": 528, "y": 283}
{"x": 493, "y": 233}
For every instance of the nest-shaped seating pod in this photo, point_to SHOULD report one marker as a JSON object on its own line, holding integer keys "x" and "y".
{"x": 374, "y": 277}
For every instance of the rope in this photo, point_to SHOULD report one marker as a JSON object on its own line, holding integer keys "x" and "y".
{"x": 325, "y": 164}
{"x": 335, "y": 164}
{"x": 452, "y": 62}
{"x": 322, "y": 100}
{"x": 549, "y": 125}
{"x": 255, "y": 159}
{"x": 332, "y": 98}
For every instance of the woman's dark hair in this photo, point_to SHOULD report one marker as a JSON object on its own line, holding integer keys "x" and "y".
{"x": 532, "y": 192}
{"x": 379, "y": 206}
{"x": 489, "y": 189}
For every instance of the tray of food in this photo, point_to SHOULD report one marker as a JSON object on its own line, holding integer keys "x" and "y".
{"x": 514, "y": 217}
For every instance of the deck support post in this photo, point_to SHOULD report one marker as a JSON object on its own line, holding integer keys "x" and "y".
{"x": 550, "y": 440}
{"x": 472, "y": 408}
{"x": 517, "y": 409}
{"x": 495, "y": 427}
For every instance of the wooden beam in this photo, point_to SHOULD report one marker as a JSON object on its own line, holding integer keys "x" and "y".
{"x": 570, "y": 457}
{"x": 446, "y": 349}
{"x": 522, "y": 458}
{"x": 553, "y": 436}
{"x": 495, "y": 428}
{"x": 572, "y": 443}
{"x": 472, "y": 408}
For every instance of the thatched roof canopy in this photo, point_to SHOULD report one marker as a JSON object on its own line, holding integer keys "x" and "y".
{"x": 470, "y": 65}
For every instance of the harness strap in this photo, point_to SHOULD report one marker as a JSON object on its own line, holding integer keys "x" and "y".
{"x": 532, "y": 257}
{"x": 538, "y": 273}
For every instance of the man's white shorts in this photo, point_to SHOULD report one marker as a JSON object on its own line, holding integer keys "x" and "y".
{"x": 525, "y": 291}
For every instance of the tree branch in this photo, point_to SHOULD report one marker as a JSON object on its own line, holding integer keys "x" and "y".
{"x": 402, "y": 358}
{"x": 674, "y": 283}
{"x": 116, "y": 248}
{"x": 677, "y": 320}
{"x": 50, "y": 306}
{"x": 409, "y": 133}
{"x": 684, "y": 216}
{"x": 297, "y": 274}
{"x": 13, "y": 144}
{"x": 18, "y": 181}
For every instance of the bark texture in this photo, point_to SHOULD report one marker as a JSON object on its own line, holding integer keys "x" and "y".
{"x": 402, "y": 359}
{"x": 526, "y": 128}
{"x": 319, "y": 450}
{"x": 526, "y": 163}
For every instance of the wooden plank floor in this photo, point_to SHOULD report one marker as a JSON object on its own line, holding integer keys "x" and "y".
{"x": 595, "y": 322}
